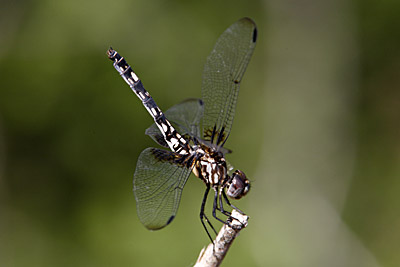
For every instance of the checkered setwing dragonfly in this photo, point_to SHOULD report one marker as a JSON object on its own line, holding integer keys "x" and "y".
{"x": 160, "y": 174}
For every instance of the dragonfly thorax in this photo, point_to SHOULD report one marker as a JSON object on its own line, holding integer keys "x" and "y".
{"x": 210, "y": 166}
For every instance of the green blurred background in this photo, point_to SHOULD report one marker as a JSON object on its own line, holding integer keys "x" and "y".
{"x": 316, "y": 130}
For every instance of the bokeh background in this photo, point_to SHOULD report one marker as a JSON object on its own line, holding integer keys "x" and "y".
{"x": 316, "y": 129}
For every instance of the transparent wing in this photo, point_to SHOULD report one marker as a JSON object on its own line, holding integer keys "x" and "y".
{"x": 222, "y": 75}
{"x": 185, "y": 117}
{"x": 158, "y": 182}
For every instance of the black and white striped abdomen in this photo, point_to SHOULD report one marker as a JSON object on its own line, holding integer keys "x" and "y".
{"x": 171, "y": 136}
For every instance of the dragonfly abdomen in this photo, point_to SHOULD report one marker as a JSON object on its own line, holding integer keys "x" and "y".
{"x": 171, "y": 136}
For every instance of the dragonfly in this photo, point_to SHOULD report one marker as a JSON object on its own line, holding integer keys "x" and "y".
{"x": 195, "y": 131}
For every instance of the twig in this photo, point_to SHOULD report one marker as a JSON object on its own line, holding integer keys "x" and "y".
{"x": 210, "y": 257}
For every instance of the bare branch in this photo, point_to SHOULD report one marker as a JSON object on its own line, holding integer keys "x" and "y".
{"x": 210, "y": 257}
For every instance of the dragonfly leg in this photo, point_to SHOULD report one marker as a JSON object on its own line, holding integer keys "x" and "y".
{"x": 221, "y": 206}
{"x": 203, "y": 216}
{"x": 215, "y": 207}
{"x": 229, "y": 203}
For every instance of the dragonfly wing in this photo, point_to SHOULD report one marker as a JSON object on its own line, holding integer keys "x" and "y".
{"x": 222, "y": 74}
{"x": 158, "y": 182}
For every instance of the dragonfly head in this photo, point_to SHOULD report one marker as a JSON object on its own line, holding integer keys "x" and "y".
{"x": 238, "y": 186}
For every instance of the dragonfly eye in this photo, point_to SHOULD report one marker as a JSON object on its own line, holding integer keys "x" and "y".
{"x": 239, "y": 185}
